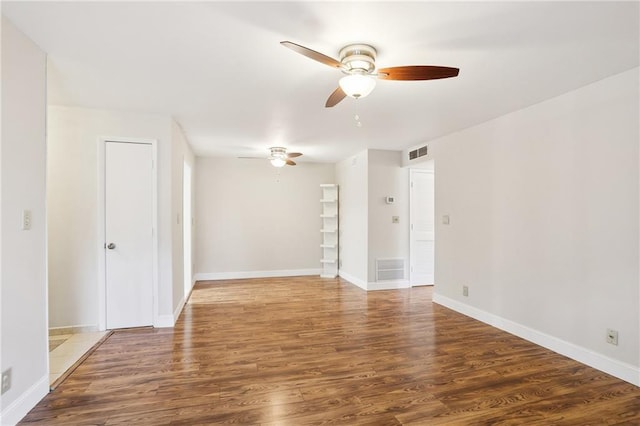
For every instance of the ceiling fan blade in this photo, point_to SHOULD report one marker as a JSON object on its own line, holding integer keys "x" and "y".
{"x": 335, "y": 97}
{"x": 294, "y": 154}
{"x": 290, "y": 162}
{"x": 417, "y": 72}
{"x": 316, "y": 56}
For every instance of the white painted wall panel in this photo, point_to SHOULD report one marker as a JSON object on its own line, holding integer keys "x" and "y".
{"x": 180, "y": 152}
{"x": 72, "y": 178}
{"x": 387, "y": 240}
{"x": 23, "y": 291}
{"x": 353, "y": 178}
{"x": 544, "y": 217}
{"x": 253, "y": 218}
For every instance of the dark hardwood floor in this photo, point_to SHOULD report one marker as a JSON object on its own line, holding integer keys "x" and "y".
{"x": 296, "y": 351}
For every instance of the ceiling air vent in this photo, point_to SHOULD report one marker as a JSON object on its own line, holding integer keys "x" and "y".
{"x": 420, "y": 152}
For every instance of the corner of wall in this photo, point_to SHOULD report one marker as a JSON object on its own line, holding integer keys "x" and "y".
{"x": 621, "y": 370}
{"x": 21, "y": 406}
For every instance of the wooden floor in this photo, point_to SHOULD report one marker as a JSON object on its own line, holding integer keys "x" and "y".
{"x": 299, "y": 351}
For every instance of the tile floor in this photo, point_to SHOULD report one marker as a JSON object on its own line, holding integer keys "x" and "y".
{"x": 66, "y": 349}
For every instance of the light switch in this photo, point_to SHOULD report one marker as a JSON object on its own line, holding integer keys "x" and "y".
{"x": 445, "y": 219}
{"x": 26, "y": 220}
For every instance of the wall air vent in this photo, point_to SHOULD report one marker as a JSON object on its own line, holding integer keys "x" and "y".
{"x": 420, "y": 152}
{"x": 390, "y": 269}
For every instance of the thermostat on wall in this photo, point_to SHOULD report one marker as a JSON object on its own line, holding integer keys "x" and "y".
{"x": 390, "y": 200}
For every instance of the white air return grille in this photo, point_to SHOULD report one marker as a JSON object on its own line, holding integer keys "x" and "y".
{"x": 390, "y": 269}
{"x": 420, "y": 152}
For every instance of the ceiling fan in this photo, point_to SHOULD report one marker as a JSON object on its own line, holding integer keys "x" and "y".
{"x": 357, "y": 61}
{"x": 279, "y": 157}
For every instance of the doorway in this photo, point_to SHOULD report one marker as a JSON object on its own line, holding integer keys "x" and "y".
{"x": 187, "y": 222}
{"x": 422, "y": 228}
{"x": 128, "y": 273}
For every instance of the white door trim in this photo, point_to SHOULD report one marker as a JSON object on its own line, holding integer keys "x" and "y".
{"x": 102, "y": 297}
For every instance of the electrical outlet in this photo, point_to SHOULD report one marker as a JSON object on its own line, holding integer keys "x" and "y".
{"x": 6, "y": 380}
{"x": 465, "y": 291}
{"x": 612, "y": 337}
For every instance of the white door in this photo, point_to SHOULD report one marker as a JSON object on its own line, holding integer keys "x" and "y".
{"x": 128, "y": 231}
{"x": 422, "y": 250}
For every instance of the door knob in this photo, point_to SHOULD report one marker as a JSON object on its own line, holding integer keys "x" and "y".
{"x": 111, "y": 246}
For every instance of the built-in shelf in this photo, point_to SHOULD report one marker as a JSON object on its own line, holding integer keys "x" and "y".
{"x": 329, "y": 215}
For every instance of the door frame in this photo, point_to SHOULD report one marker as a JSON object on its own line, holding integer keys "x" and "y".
{"x": 101, "y": 206}
{"x": 187, "y": 226}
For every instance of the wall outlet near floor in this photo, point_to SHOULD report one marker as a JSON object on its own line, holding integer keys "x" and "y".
{"x": 6, "y": 380}
{"x": 465, "y": 290}
{"x": 612, "y": 336}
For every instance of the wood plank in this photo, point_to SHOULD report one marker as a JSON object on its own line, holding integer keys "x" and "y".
{"x": 305, "y": 350}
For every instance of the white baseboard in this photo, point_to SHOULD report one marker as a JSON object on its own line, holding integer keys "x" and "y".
{"x": 168, "y": 321}
{"x": 353, "y": 280}
{"x": 164, "y": 321}
{"x": 213, "y": 276}
{"x": 388, "y": 285}
{"x": 178, "y": 310}
{"x": 619, "y": 369}
{"x": 25, "y": 402}
{"x": 382, "y": 285}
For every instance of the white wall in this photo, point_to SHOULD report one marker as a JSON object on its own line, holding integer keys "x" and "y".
{"x": 180, "y": 153}
{"x": 387, "y": 239}
{"x": 352, "y": 176}
{"x": 72, "y": 144}
{"x": 24, "y": 345}
{"x": 544, "y": 223}
{"x": 366, "y": 229}
{"x": 253, "y": 219}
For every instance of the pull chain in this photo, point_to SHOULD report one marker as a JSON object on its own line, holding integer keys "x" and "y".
{"x": 356, "y": 117}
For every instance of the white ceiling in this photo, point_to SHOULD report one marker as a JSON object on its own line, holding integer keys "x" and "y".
{"x": 219, "y": 70}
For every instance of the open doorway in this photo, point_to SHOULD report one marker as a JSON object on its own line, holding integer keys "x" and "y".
{"x": 422, "y": 218}
{"x": 186, "y": 234}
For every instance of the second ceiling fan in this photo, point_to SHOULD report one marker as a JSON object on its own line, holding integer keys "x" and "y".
{"x": 357, "y": 61}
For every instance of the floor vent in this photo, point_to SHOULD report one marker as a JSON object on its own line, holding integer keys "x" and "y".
{"x": 390, "y": 269}
{"x": 420, "y": 152}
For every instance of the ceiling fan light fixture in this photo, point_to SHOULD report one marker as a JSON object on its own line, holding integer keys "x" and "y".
{"x": 357, "y": 85}
{"x": 278, "y": 162}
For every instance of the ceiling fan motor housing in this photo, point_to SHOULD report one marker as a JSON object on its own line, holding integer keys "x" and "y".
{"x": 278, "y": 152}
{"x": 358, "y": 58}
